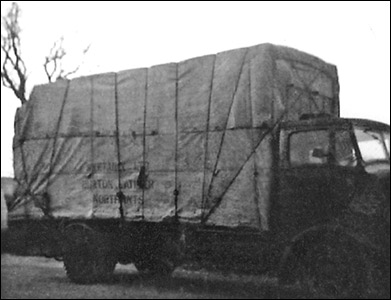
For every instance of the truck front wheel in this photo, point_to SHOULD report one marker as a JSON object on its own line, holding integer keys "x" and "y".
{"x": 331, "y": 271}
{"x": 88, "y": 257}
{"x": 331, "y": 268}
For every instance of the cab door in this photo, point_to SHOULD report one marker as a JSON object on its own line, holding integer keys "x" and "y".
{"x": 318, "y": 175}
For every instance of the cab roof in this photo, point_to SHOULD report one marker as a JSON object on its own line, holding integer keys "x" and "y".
{"x": 323, "y": 120}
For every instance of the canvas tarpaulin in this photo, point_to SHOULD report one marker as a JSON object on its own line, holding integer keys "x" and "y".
{"x": 190, "y": 139}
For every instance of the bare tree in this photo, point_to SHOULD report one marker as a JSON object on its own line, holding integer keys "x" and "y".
{"x": 13, "y": 71}
{"x": 54, "y": 62}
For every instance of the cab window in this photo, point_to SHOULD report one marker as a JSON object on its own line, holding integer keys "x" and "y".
{"x": 319, "y": 147}
{"x": 308, "y": 147}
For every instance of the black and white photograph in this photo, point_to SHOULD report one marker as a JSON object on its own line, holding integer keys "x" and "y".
{"x": 195, "y": 150}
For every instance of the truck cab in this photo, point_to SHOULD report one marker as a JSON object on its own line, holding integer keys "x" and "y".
{"x": 331, "y": 175}
{"x": 333, "y": 196}
{"x": 325, "y": 165}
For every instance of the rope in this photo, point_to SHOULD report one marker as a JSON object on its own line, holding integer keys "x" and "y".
{"x": 176, "y": 191}
{"x": 144, "y": 135}
{"x": 92, "y": 125}
{"x": 206, "y": 145}
{"x": 120, "y": 194}
{"x": 256, "y": 196}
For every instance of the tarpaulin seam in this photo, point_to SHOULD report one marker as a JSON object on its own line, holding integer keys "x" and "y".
{"x": 144, "y": 135}
{"x": 255, "y": 175}
{"x": 92, "y": 153}
{"x": 206, "y": 145}
{"x": 117, "y": 142}
{"x": 176, "y": 192}
{"x": 226, "y": 123}
{"x": 56, "y": 133}
{"x": 220, "y": 198}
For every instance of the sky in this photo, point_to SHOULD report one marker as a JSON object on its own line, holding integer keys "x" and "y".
{"x": 355, "y": 36}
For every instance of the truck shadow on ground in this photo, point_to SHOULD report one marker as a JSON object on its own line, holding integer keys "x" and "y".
{"x": 206, "y": 285}
{"x": 197, "y": 285}
{"x": 212, "y": 285}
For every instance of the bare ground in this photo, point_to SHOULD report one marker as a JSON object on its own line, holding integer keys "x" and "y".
{"x": 37, "y": 277}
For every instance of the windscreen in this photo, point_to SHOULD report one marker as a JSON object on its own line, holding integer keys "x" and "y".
{"x": 374, "y": 145}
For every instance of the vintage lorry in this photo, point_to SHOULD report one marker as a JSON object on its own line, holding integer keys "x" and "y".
{"x": 236, "y": 161}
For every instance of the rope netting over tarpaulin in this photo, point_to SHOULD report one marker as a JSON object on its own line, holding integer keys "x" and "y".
{"x": 191, "y": 140}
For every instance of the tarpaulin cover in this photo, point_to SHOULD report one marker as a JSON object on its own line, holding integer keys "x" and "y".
{"x": 190, "y": 139}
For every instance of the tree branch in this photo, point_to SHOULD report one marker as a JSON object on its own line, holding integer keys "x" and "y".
{"x": 13, "y": 73}
{"x": 55, "y": 61}
{"x": 13, "y": 67}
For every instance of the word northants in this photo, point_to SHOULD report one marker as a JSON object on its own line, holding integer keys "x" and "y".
{"x": 113, "y": 199}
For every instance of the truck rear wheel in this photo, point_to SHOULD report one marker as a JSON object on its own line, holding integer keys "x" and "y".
{"x": 88, "y": 257}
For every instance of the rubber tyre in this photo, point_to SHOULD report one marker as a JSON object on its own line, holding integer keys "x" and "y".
{"x": 88, "y": 257}
{"x": 331, "y": 269}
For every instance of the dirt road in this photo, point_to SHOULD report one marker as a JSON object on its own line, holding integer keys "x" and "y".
{"x": 36, "y": 277}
